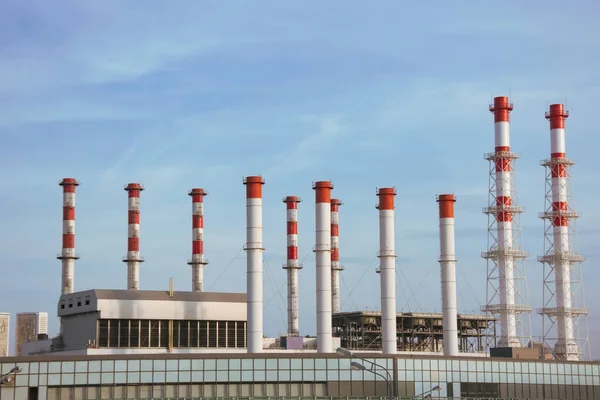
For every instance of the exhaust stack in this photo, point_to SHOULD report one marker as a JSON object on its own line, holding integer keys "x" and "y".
{"x": 387, "y": 270}
{"x": 254, "y": 261}
{"x": 448, "y": 272}
{"x": 68, "y": 256}
{"x": 198, "y": 261}
{"x": 133, "y": 258}
{"x": 323, "y": 265}
{"x": 335, "y": 256}
{"x": 292, "y": 266}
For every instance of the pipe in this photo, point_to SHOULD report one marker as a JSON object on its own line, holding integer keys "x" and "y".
{"x": 448, "y": 273}
{"x": 198, "y": 261}
{"x": 133, "y": 258}
{"x": 323, "y": 265}
{"x": 387, "y": 268}
{"x": 254, "y": 261}
{"x": 67, "y": 255}
{"x": 292, "y": 265}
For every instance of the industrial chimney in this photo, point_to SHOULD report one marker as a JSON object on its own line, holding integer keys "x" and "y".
{"x": 448, "y": 273}
{"x": 68, "y": 256}
{"x": 335, "y": 255}
{"x": 292, "y": 266}
{"x": 562, "y": 265}
{"x": 133, "y": 258}
{"x": 387, "y": 269}
{"x": 254, "y": 260}
{"x": 323, "y": 265}
{"x": 198, "y": 261}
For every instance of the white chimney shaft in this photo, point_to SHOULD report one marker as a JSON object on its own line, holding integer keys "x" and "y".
{"x": 323, "y": 265}
{"x": 254, "y": 260}
{"x": 448, "y": 273}
{"x": 387, "y": 267}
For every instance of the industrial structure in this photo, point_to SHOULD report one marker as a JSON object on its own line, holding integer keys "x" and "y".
{"x": 198, "y": 261}
{"x": 4, "y": 334}
{"x": 565, "y": 323}
{"x": 153, "y": 344}
{"x": 29, "y": 327}
{"x": 133, "y": 258}
{"x": 506, "y": 290}
{"x": 292, "y": 265}
{"x": 67, "y": 255}
{"x": 336, "y": 267}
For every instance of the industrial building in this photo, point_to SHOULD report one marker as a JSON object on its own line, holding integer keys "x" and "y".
{"x": 4, "y": 334}
{"x": 153, "y": 344}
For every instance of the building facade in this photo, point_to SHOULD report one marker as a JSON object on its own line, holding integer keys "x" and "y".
{"x": 288, "y": 374}
{"x": 29, "y": 326}
{"x": 4, "y": 334}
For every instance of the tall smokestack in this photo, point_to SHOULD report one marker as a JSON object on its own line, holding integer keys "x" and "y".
{"x": 448, "y": 270}
{"x": 323, "y": 265}
{"x": 254, "y": 260}
{"x": 505, "y": 275}
{"x": 198, "y": 261}
{"x": 133, "y": 258}
{"x": 335, "y": 256}
{"x": 387, "y": 268}
{"x": 562, "y": 267}
{"x": 292, "y": 266}
{"x": 68, "y": 256}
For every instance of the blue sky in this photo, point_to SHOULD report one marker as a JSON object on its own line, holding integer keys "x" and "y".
{"x": 200, "y": 94}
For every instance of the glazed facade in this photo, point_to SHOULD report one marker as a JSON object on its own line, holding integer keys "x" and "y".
{"x": 299, "y": 374}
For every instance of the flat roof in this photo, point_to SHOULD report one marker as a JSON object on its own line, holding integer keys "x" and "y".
{"x": 160, "y": 295}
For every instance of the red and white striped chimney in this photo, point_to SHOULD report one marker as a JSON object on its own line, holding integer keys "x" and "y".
{"x": 198, "y": 261}
{"x": 323, "y": 265}
{"x": 387, "y": 268}
{"x": 254, "y": 262}
{"x": 335, "y": 256}
{"x": 292, "y": 266}
{"x": 448, "y": 270}
{"x": 133, "y": 258}
{"x": 68, "y": 256}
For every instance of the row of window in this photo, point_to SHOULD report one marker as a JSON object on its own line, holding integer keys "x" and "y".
{"x": 171, "y": 333}
{"x": 78, "y": 302}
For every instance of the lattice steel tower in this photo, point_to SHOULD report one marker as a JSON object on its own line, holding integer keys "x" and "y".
{"x": 506, "y": 291}
{"x": 564, "y": 315}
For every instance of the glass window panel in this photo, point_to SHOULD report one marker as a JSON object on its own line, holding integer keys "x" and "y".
{"x": 284, "y": 363}
{"x": 471, "y": 377}
{"x": 146, "y": 365}
{"x": 43, "y": 367}
{"x": 108, "y": 366}
{"x": 120, "y": 377}
{"x": 235, "y": 376}
{"x": 197, "y": 365}
{"x": 235, "y": 364}
{"x": 94, "y": 366}
{"x": 344, "y": 364}
{"x": 68, "y": 379}
{"x": 81, "y": 366}
{"x": 272, "y": 375}
{"x": 426, "y": 375}
{"x": 308, "y": 375}
{"x": 401, "y": 363}
{"x": 284, "y": 375}
{"x": 296, "y": 363}
{"x": 107, "y": 377}
{"x": 247, "y": 364}
{"x": 259, "y": 363}
{"x": 146, "y": 377}
{"x": 410, "y": 364}
{"x": 455, "y": 365}
{"x": 296, "y": 375}
{"x": 159, "y": 376}
{"x": 54, "y": 380}
{"x": 332, "y": 363}
{"x": 418, "y": 364}
{"x": 43, "y": 380}
{"x": 223, "y": 365}
{"x": 21, "y": 380}
{"x": 426, "y": 365}
{"x": 321, "y": 375}
{"x": 184, "y": 365}
{"x": 576, "y": 379}
{"x": 133, "y": 365}
{"x": 442, "y": 376}
{"x": 308, "y": 363}
{"x": 172, "y": 376}
{"x": 197, "y": 376}
{"x": 210, "y": 365}
{"x": 80, "y": 379}
{"x": 272, "y": 363}
{"x": 33, "y": 380}
{"x": 121, "y": 365}
{"x": 320, "y": 363}
{"x": 345, "y": 375}
{"x": 172, "y": 365}
{"x": 94, "y": 379}
{"x": 595, "y": 370}
{"x": 463, "y": 366}
{"x": 209, "y": 376}
{"x": 159, "y": 365}
{"x": 259, "y": 376}
{"x": 67, "y": 367}
{"x": 247, "y": 376}
{"x": 222, "y": 376}
{"x": 54, "y": 367}
{"x": 546, "y": 368}
{"x": 34, "y": 368}
{"x": 184, "y": 376}
{"x": 518, "y": 367}
{"x": 25, "y": 368}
